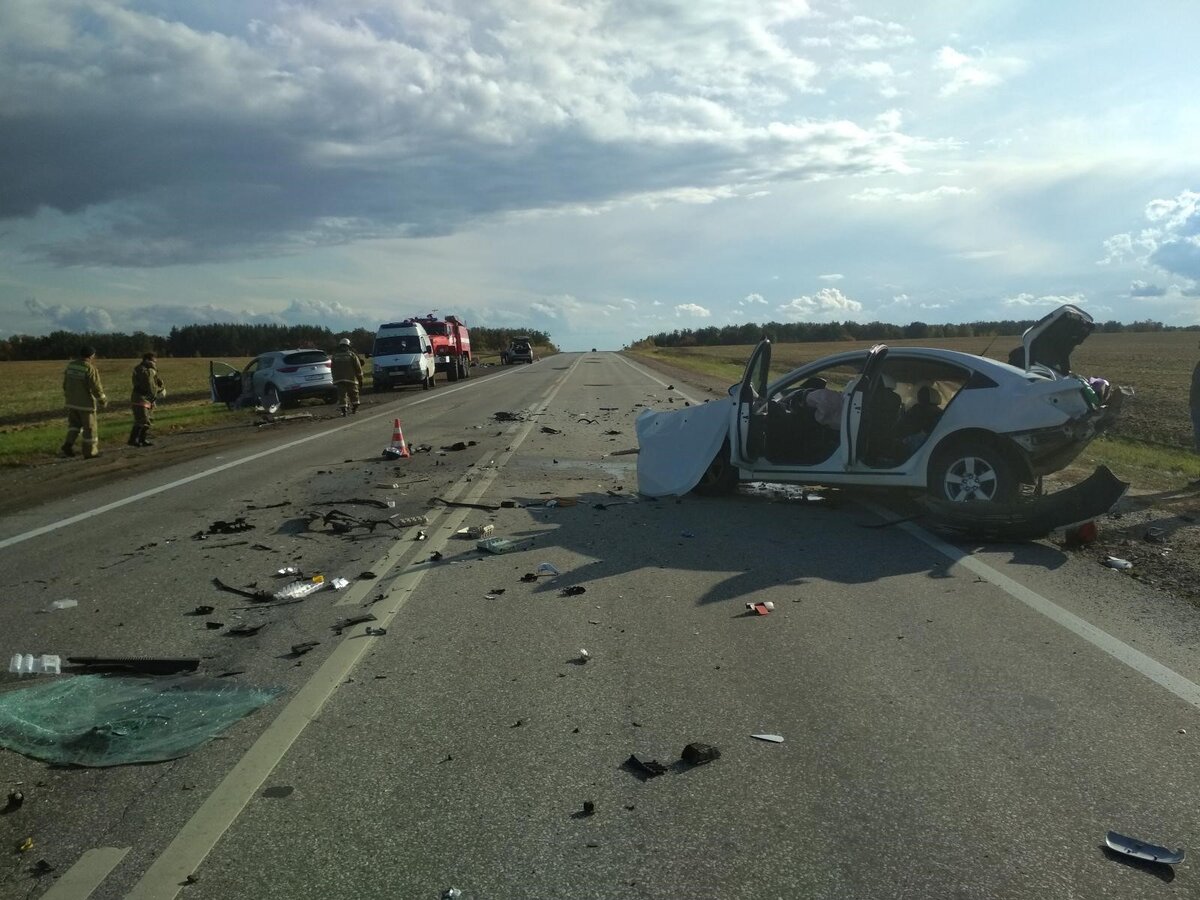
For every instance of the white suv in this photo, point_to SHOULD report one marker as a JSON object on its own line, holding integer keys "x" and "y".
{"x": 274, "y": 380}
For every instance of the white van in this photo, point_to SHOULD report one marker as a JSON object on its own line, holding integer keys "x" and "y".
{"x": 402, "y": 354}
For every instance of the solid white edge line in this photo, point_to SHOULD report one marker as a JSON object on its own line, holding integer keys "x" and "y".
{"x": 1181, "y": 687}
{"x": 200, "y": 834}
{"x": 117, "y": 504}
{"x": 642, "y": 370}
{"x": 78, "y": 882}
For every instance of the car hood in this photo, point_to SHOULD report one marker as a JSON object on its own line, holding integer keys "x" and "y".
{"x": 676, "y": 447}
{"x": 1050, "y": 341}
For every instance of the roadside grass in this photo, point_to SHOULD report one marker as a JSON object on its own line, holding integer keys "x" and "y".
{"x": 1148, "y": 466}
{"x": 40, "y": 441}
{"x": 30, "y": 389}
{"x": 33, "y": 421}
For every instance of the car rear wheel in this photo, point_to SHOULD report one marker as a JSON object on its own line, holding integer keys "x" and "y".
{"x": 972, "y": 471}
{"x": 272, "y": 400}
{"x": 721, "y": 476}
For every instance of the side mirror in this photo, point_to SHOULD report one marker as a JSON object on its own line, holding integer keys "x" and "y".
{"x": 734, "y": 388}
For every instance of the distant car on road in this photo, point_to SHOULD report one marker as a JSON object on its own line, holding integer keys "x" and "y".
{"x": 519, "y": 350}
{"x": 274, "y": 380}
{"x": 959, "y": 426}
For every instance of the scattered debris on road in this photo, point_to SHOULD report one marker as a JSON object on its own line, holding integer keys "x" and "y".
{"x": 547, "y": 569}
{"x": 573, "y": 591}
{"x": 220, "y": 526}
{"x": 15, "y": 800}
{"x": 771, "y": 738}
{"x": 760, "y": 609}
{"x": 475, "y": 531}
{"x": 62, "y": 604}
{"x": 375, "y": 632}
{"x": 1115, "y": 562}
{"x": 135, "y": 665}
{"x": 305, "y": 647}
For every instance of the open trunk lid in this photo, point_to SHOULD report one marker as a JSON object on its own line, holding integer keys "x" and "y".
{"x": 1050, "y": 341}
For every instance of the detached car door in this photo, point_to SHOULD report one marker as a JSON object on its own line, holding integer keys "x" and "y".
{"x": 752, "y": 405}
{"x": 854, "y": 418}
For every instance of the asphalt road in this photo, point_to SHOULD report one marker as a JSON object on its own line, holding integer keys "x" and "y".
{"x": 965, "y": 728}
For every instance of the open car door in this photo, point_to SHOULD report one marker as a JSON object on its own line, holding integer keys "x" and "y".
{"x": 225, "y": 383}
{"x": 855, "y": 418}
{"x": 752, "y": 404}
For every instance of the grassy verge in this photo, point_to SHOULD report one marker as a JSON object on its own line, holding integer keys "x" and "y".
{"x": 1147, "y": 466}
{"x": 40, "y": 441}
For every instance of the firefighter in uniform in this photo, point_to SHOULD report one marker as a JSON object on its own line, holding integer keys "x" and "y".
{"x": 82, "y": 391}
{"x": 347, "y": 375}
{"x": 147, "y": 387}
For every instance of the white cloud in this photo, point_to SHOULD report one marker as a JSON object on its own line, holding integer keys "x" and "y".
{"x": 1144, "y": 289}
{"x": 978, "y": 254}
{"x": 209, "y": 135}
{"x": 974, "y": 72}
{"x": 692, "y": 309}
{"x": 862, "y": 33}
{"x": 1026, "y": 300}
{"x": 833, "y": 276}
{"x": 827, "y": 303}
{"x": 1171, "y": 241}
{"x": 751, "y": 299}
{"x": 877, "y": 194}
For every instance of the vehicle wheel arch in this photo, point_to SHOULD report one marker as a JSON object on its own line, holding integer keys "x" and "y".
{"x": 1002, "y": 444}
{"x": 1008, "y": 457}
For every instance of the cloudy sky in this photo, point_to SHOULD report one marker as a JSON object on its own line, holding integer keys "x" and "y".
{"x": 602, "y": 169}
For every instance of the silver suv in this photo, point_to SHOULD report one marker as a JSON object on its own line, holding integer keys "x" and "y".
{"x": 274, "y": 380}
{"x": 519, "y": 350}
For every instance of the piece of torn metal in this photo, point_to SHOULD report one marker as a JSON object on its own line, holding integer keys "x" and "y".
{"x": 256, "y": 595}
{"x": 1115, "y": 562}
{"x": 1141, "y": 850}
{"x": 1030, "y": 519}
{"x": 246, "y": 630}
{"x": 490, "y": 507}
{"x": 304, "y": 647}
{"x": 342, "y": 624}
{"x": 697, "y": 754}
{"x": 546, "y": 429}
{"x": 354, "y": 501}
{"x": 644, "y": 768}
{"x": 770, "y": 738}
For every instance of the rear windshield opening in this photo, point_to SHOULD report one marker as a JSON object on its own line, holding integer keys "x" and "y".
{"x": 306, "y": 357}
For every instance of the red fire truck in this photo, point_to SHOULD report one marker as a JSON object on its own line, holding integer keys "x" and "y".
{"x": 451, "y": 345}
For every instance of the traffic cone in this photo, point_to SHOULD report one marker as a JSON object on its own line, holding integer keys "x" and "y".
{"x": 398, "y": 442}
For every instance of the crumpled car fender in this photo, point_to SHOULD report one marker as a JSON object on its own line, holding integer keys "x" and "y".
{"x": 676, "y": 447}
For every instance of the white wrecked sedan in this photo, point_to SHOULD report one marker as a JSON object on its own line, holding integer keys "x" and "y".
{"x": 959, "y": 426}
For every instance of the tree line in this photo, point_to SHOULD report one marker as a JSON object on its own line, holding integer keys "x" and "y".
{"x": 228, "y": 339}
{"x": 803, "y": 332}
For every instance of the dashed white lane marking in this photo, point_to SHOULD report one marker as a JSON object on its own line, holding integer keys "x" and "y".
{"x": 220, "y": 810}
{"x": 163, "y": 488}
{"x": 78, "y": 882}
